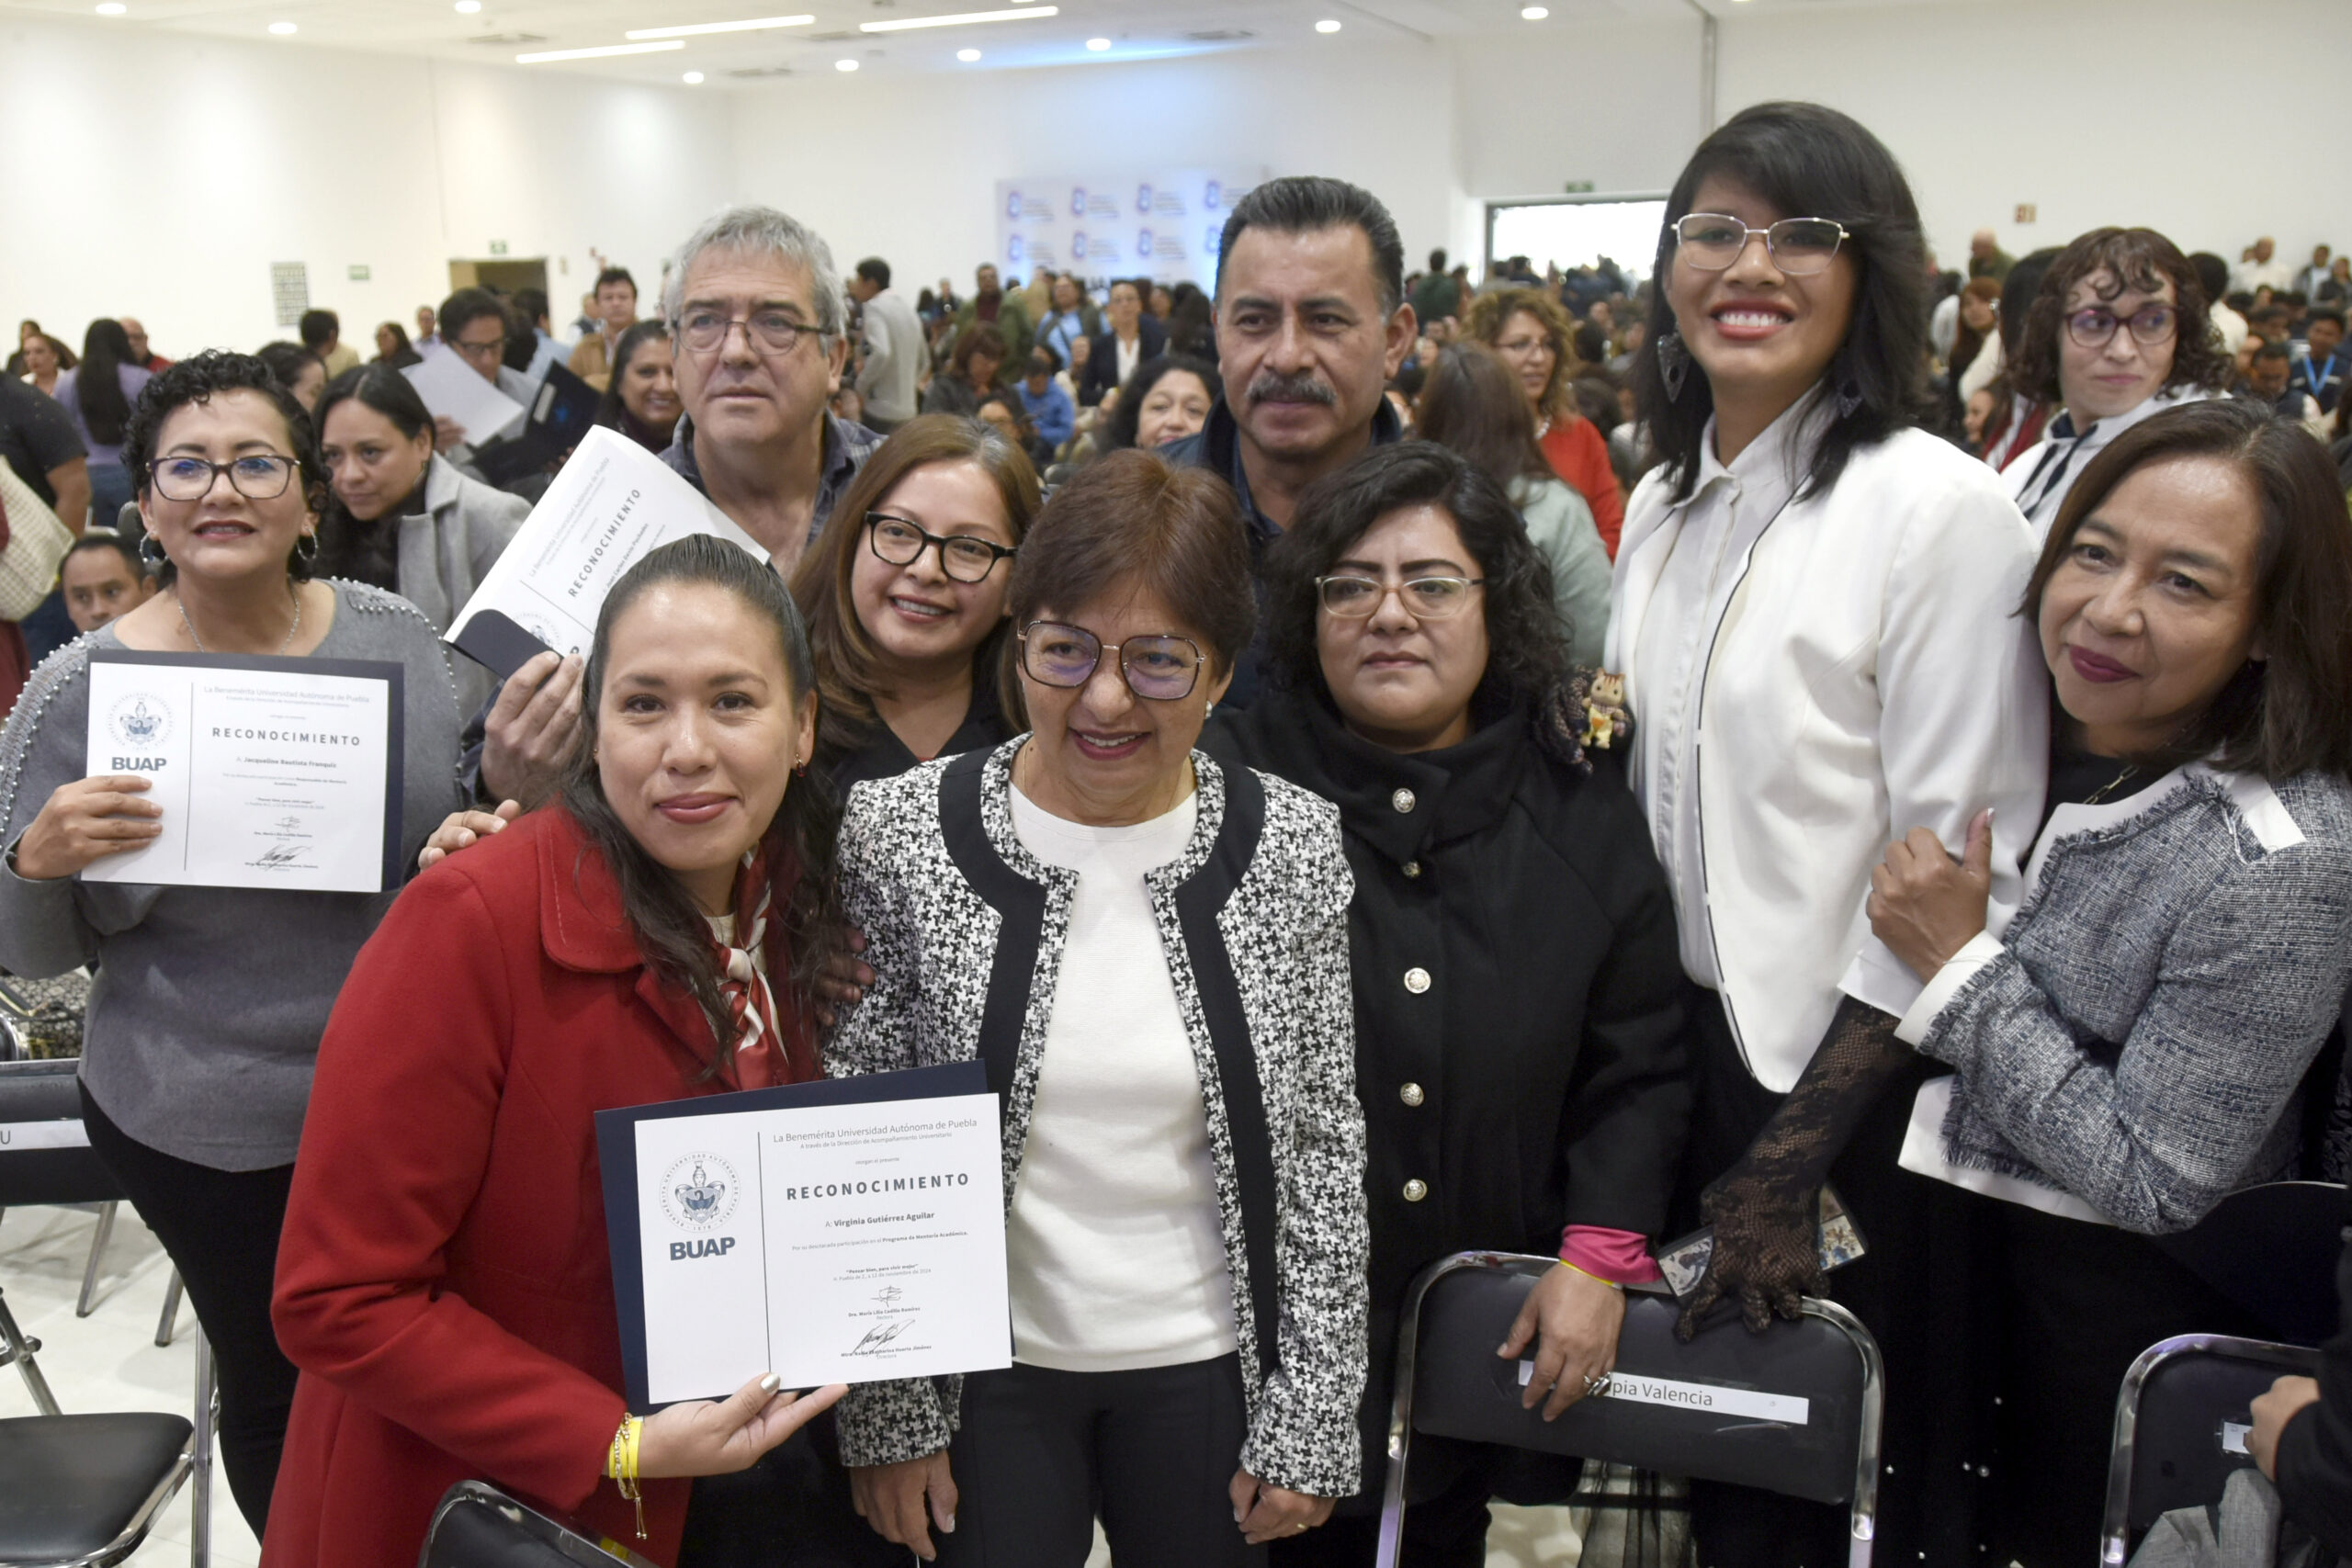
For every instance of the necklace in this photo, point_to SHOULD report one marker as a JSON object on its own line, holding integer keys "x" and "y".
{"x": 290, "y": 593}
{"x": 2106, "y": 791}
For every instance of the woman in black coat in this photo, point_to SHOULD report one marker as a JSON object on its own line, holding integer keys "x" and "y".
{"x": 1517, "y": 994}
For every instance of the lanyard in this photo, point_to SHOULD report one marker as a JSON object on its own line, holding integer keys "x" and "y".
{"x": 2315, "y": 379}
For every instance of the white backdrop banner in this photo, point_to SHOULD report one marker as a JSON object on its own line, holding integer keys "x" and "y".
{"x": 1162, "y": 224}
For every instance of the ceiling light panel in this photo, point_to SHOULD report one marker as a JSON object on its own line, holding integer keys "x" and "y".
{"x": 696, "y": 29}
{"x": 961, "y": 18}
{"x": 605, "y": 51}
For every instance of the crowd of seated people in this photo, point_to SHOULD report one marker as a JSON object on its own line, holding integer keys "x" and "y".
{"x": 1666, "y": 739}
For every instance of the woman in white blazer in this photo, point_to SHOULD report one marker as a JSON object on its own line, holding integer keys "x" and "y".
{"x": 1813, "y": 606}
{"x": 2121, "y": 330}
{"x": 404, "y": 517}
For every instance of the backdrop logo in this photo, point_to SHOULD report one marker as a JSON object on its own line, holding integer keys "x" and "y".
{"x": 1078, "y": 244}
{"x": 1012, "y": 249}
{"x": 139, "y": 722}
{"x": 1143, "y": 244}
{"x": 1078, "y": 201}
{"x": 1012, "y": 206}
{"x": 1211, "y": 194}
{"x": 1209, "y": 239}
{"x": 698, "y": 1193}
{"x": 1143, "y": 199}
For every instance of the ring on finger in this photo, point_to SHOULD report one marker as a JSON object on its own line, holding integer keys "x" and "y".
{"x": 1596, "y": 1386}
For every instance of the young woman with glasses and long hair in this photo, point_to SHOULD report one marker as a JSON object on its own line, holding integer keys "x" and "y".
{"x": 1826, "y": 591}
{"x": 2118, "y": 332}
{"x": 205, "y": 1021}
{"x": 1149, "y": 951}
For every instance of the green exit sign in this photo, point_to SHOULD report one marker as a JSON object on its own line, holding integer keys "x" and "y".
{"x": 1578, "y": 187}
{"x": 498, "y": 247}
{"x": 359, "y": 273}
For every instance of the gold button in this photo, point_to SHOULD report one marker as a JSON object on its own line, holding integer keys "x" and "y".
{"x": 1416, "y": 1190}
{"x": 1410, "y": 1094}
{"x": 1412, "y": 868}
{"x": 1403, "y": 800}
{"x": 1417, "y": 981}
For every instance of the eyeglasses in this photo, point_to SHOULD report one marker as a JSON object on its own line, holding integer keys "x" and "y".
{"x": 1712, "y": 242}
{"x": 963, "y": 558}
{"x": 1163, "y": 668}
{"x": 774, "y": 331}
{"x": 256, "y": 478}
{"x": 2094, "y": 325}
{"x": 492, "y": 348}
{"x": 1424, "y": 598}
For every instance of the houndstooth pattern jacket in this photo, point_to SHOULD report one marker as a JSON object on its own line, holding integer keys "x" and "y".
{"x": 2137, "y": 1036}
{"x": 964, "y": 932}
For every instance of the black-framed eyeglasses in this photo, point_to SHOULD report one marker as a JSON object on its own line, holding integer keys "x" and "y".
{"x": 492, "y": 348}
{"x": 1424, "y": 598}
{"x": 1712, "y": 242}
{"x": 256, "y": 475}
{"x": 771, "y": 331}
{"x": 902, "y": 542}
{"x": 1163, "y": 668}
{"x": 2094, "y": 326}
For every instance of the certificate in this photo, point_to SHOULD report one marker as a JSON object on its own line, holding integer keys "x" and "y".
{"x": 452, "y": 388}
{"x": 272, "y": 773}
{"x": 846, "y": 1231}
{"x": 612, "y": 502}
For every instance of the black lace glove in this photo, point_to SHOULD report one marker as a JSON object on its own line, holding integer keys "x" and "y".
{"x": 1766, "y": 1210}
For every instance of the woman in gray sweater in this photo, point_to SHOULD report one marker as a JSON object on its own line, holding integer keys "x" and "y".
{"x": 2128, "y": 1052}
{"x": 205, "y": 1021}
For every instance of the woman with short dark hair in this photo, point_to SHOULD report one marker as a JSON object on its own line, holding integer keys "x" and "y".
{"x": 205, "y": 1021}
{"x": 653, "y": 934}
{"x": 302, "y": 373}
{"x": 1149, "y": 951}
{"x": 971, "y": 372}
{"x": 402, "y": 517}
{"x": 2118, "y": 332}
{"x": 1826, "y": 591}
{"x": 641, "y": 399}
{"x": 1167, "y": 399}
{"x": 1524, "y": 1094}
{"x": 2128, "y": 1050}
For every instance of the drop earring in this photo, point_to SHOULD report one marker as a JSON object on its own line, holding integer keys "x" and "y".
{"x": 1673, "y": 363}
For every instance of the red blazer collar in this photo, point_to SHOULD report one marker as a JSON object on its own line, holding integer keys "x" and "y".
{"x": 581, "y": 926}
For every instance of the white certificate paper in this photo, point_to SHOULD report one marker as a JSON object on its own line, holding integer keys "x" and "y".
{"x": 612, "y": 502}
{"x": 454, "y": 389}
{"x": 829, "y": 1243}
{"x": 272, "y": 773}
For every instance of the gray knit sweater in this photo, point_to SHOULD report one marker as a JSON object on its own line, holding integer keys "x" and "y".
{"x": 2137, "y": 1035}
{"x": 205, "y": 1021}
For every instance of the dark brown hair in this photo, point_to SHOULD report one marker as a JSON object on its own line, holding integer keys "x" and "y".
{"x": 1129, "y": 521}
{"x": 806, "y": 923}
{"x": 1474, "y": 404}
{"x": 2135, "y": 258}
{"x": 981, "y": 338}
{"x": 844, "y": 654}
{"x": 2289, "y": 712}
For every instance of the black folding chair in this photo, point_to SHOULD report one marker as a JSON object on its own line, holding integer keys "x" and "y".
{"x": 2180, "y": 1426}
{"x": 83, "y": 1491}
{"x": 1795, "y": 1410}
{"x": 477, "y": 1526}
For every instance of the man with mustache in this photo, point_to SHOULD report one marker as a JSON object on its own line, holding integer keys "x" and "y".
{"x": 1311, "y": 325}
{"x": 759, "y": 317}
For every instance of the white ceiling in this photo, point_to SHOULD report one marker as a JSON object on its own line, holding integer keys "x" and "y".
{"x": 1138, "y": 29}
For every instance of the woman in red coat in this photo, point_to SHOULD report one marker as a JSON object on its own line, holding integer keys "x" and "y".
{"x": 1533, "y": 335}
{"x": 443, "y": 1280}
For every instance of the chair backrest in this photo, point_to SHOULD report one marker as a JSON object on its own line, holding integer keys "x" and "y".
{"x": 2180, "y": 1424}
{"x": 1795, "y": 1410}
{"x": 477, "y": 1526}
{"x": 2272, "y": 1249}
{"x": 45, "y": 1154}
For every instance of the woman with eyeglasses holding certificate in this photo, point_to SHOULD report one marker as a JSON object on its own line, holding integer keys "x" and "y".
{"x": 205, "y": 1021}
{"x": 1149, "y": 951}
{"x": 1814, "y": 608}
{"x": 2118, "y": 331}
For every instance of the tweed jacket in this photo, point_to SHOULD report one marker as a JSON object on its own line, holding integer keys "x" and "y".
{"x": 964, "y": 932}
{"x": 2127, "y": 1052}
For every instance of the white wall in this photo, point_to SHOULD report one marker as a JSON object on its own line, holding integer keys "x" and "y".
{"x": 159, "y": 175}
{"x": 2152, "y": 112}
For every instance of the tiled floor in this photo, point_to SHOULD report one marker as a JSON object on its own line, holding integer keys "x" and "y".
{"x": 109, "y": 1362}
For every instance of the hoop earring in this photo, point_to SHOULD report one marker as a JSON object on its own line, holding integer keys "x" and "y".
{"x": 152, "y": 556}
{"x": 1673, "y": 363}
{"x": 306, "y": 548}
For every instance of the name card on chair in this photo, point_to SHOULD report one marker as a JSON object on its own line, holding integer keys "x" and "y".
{"x": 62, "y": 1132}
{"x": 1712, "y": 1398}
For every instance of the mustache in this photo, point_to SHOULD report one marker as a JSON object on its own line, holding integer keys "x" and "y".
{"x": 1304, "y": 386}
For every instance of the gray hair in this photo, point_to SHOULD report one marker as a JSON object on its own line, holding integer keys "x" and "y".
{"x": 761, "y": 231}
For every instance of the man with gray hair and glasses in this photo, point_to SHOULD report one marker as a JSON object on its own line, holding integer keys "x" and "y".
{"x": 757, "y": 313}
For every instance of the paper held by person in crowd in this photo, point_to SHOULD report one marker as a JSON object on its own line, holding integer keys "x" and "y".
{"x": 272, "y": 773}
{"x": 850, "y": 1230}
{"x": 612, "y": 502}
{"x": 452, "y": 389}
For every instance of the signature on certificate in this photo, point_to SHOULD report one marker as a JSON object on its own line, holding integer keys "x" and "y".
{"x": 878, "y": 1336}
{"x": 278, "y": 856}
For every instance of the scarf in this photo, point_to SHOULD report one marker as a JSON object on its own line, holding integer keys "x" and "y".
{"x": 767, "y": 1052}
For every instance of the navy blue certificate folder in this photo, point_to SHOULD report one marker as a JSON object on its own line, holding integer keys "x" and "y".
{"x": 616, "y": 1152}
